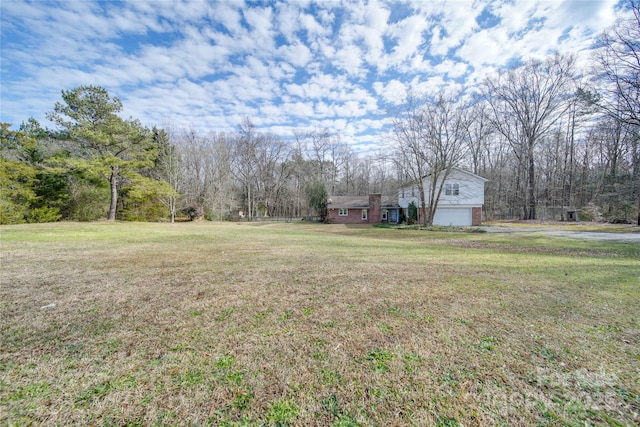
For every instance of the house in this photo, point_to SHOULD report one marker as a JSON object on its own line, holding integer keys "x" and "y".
{"x": 460, "y": 203}
{"x": 369, "y": 209}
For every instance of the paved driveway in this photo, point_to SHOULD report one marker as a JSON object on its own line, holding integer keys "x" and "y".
{"x": 572, "y": 234}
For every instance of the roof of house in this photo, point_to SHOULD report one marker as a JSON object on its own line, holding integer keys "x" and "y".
{"x": 359, "y": 202}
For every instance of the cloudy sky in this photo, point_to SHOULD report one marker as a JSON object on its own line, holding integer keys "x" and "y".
{"x": 284, "y": 64}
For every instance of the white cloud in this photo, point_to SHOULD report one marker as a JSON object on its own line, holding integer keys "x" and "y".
{"x": 272, "y": 113}
{"x": 487, "y": 47}
{"x": 163, "y": 62}
{"x": 350, "y": 109}
{"x": 349, "y": 59}
{"x": 294, "y": 90}
{"x": 229, "y": 16}
{"x": 363, "y": 35}
{"x": 287, "y": 20}
{"x": 296, "y": 53}
{"x": 259, "y": 20}
{"x": 430, "y": 86}
{"x": 515, "y": 16}
{"x": 184, "y": 10}
{"x": 313, "y": 27}
{"x": 326, "y": 16}
{"x": 298, "y": 109}
{"x": 138, "y": 18}
{"x": 455, "y": 24}
{"x": 409, "y": 35}
{"x": 324, "y": 110}
{"x": 285, "y": 64}
{"x": 452, "y": 69}
{"x": 393, "y": 92}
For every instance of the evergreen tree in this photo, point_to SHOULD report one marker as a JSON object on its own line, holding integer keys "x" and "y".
{"x": 103, "y": 142}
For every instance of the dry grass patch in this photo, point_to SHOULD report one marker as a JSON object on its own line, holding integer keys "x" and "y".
{"x": 302, "y": 324}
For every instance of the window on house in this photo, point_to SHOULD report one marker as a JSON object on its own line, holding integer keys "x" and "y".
{"x": 384, "y": 214}
{"x": 403, "y": 193}
{"x": 413, "y": 191}
{"x": 452, "y": 189}
{"x": 364, "y": 214}
{"x": 343, "y": 212}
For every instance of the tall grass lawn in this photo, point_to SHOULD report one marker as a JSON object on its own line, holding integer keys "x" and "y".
{"x": 274, "y": 324}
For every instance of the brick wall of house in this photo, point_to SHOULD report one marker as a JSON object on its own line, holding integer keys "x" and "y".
{"x": 476, "y": 216}
{"x": 354, "y": 217}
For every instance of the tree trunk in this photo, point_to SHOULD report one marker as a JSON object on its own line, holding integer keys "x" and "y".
{"x": 172, "y": 208}
{"x": 423, "y": 203}
{"x": 425, "y": 216}
{"x": 113, "y": 182}
{"x": 571, "y": 171}
{"x": 532, "y": 171}
{"x": 250, "y": 208}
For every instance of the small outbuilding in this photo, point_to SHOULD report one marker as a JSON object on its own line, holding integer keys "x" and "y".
{"x": 572, "y": 215}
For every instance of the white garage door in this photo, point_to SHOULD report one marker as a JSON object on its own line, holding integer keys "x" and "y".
{"x": 452, "y": 216}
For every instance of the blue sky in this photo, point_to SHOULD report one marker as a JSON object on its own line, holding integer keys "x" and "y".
{"x": 286, "y": 65}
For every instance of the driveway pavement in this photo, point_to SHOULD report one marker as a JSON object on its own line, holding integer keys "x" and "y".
{"x": 572, "y": 234}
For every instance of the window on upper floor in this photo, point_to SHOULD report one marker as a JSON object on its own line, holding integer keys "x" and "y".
{"x": 452, "y": 189}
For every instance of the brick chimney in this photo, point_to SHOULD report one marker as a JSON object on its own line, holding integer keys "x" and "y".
{"x": 375, "y": 208}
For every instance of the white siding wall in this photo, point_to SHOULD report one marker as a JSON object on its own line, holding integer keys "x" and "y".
{"x": 471, "y": 191}
{"x": 410, "y": 195}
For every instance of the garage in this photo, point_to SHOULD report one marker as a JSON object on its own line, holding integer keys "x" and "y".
{"x": 453, "y": 216}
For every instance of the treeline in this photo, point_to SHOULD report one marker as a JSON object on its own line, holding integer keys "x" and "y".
{"x": 257, "y": 174}
{"x": 550, "y": 138}
{"x": 97, "y": 165}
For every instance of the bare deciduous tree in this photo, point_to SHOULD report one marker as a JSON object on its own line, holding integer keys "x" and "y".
{"x": 448, "y": 122}
{"x": 219, "y": 185}
{"x": 431, "y": 136}
{"x": 617, "y": 61}
{"x": 527, "y": 102}
{"x": 192, "y": 147}
{"x": 409, "y": 133}
{"x": 244, "y": 162}
{"x": 168, "y": 168}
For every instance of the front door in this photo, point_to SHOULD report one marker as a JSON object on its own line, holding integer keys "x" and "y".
{"x": 393, "y": 215}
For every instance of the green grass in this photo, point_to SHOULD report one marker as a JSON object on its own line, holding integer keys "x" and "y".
{"x": 305, "y": 324}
